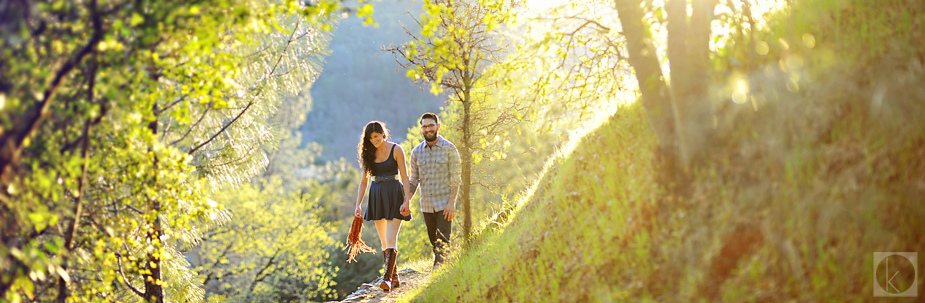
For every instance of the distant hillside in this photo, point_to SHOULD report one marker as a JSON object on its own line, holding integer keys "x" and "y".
{"x": 359, "y": 83}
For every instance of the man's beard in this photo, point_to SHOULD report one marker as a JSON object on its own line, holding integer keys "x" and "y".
{"x": 430, "y": 138}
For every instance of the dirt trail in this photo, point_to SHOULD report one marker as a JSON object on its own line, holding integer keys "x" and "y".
{"x": 370, "y": 292}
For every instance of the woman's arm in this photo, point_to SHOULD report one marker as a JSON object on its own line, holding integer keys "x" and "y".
{"x": 364, "y": 181}
{"x": 406, "y": 186}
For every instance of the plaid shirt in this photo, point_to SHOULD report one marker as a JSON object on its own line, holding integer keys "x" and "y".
{"x": 435, "y": 169}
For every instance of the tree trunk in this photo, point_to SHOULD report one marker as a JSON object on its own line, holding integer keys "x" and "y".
{"x": 688, "y": 54}
{"x": 466, "y": 166}
{"x": 700, "y": 107}
{"x": 678, "y": 114}
{"x": 154, "y": 291}
{"x": 656, "y": 98}
{"x": 679, "y": 72}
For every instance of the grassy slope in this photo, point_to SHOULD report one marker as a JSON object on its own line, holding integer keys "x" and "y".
{"x": 823, "y": 168}
{"x": 791, "y": 205}
{"x": 590, "y": 195}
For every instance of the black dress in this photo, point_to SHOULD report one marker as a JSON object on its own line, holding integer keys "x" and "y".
{"x": 385, "y": 197}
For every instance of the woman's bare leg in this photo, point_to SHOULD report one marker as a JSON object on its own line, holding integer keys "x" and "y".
{"x": 391, "y": 236}
{"x": 381, "y": 228}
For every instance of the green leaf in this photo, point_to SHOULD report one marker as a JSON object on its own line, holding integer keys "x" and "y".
{"x": 24, "y": 285}
{"x": 136, "y": 19}
{"x": 38, "y": 220}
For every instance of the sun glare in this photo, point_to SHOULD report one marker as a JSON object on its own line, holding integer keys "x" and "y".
{"x": 759, "y": 9}
{"x": 740, "y": 90}
{"x": 542, "y": 5}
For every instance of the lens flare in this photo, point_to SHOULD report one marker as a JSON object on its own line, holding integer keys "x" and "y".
{"x": 762, "y": 48}
{"x": 740, "y": 90}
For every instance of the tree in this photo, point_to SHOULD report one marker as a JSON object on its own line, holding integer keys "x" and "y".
{"x": 274, "y": 247}
{"x": 678, "y": 111}
{"x": 592, "y": 45}
{"x": 103, "y": 162}
{"x": 458, "y": 42}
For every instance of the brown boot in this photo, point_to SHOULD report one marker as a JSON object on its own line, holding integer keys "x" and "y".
{"x": 394, "y": 279}
{"x": 389, "y": 255}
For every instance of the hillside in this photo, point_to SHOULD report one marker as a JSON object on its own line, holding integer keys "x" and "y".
{"x": 812, "y": 165}
{"x": 791, "y": 205}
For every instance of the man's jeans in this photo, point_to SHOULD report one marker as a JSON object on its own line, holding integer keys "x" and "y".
{"x": 438, "y": 229}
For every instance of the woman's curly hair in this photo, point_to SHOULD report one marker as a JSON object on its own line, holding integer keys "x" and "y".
{"x": 366, "y": 152}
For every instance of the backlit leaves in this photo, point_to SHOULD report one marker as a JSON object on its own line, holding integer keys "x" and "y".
{"x": 108, "y": 99}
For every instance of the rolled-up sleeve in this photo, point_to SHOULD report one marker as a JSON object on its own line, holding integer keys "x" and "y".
{"x": 453, "y": 169}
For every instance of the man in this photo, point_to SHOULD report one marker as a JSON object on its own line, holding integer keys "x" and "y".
{"x": 435, "y": 169}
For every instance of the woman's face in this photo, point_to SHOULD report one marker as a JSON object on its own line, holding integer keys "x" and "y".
{"x": 376, "y": 139}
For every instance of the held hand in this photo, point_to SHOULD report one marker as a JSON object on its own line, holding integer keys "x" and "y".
{"x": 357, "y": 213}
{"x": 449, "y": 212}
{"x": 406, "y": 208}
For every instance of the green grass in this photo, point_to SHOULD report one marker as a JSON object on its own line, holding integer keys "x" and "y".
{"x": 799, "y": 189}
{"x": 574, "y": 223}
{"x": 790, "y": 206}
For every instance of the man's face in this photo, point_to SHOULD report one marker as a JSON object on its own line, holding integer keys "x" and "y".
{"x": 429, "y": 128}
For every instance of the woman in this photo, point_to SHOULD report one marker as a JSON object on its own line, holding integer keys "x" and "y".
{"x": 389, "y": 200}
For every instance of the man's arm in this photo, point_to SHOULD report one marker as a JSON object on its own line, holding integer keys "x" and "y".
{"x": 453, "y": 169}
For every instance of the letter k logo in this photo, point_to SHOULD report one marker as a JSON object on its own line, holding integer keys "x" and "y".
{"x": 899, "y": 272}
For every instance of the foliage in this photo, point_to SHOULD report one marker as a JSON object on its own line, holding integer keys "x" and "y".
{"x": 457, "y": 44}
{"x": 272, "y": 249}
{"x": 807, "y": 179}
{"x": 572, "y": 58}
{"x": 333, "y": 185}
{"x": 765, "y": 218}
{"x": 860, "y": 31}
{"x": 368, "y": 266}
{"x": 116, "y": 117}
{"x": 582, "y": 53}
{"x": 505, "y": 163}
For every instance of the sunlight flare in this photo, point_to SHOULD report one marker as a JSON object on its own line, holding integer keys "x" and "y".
{"x": 740, "y": 90}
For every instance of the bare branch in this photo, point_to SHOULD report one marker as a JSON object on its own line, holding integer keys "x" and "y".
{"x": 246, "y": 155}
{"x": 159, "y": 111}
{"x": 225, "y": 127}
{"x": 260, "y": 275}
{"x": 193, "y": 126}
{"x": 217, "y": 260}
{"x": 124, "y": 279}
{"x": 253, "y": 97}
